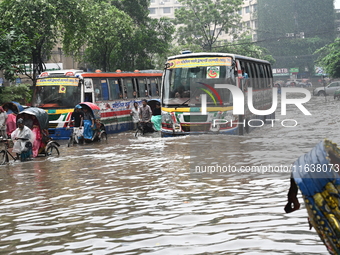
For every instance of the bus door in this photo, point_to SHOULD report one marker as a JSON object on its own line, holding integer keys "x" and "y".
{"x": 88, "y": 90}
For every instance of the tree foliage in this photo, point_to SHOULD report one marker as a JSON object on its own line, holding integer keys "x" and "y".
{"x": 329, "y": 58}
{"x": 107, "y": 32}
{"x": 20, "y": 93}
{"x": 42, "y": 23}
{"x": 280, "y": 24}
{"x": 149, "y": 40}
{"x": 203, "y": 21}
{"x": 13, "y": 52}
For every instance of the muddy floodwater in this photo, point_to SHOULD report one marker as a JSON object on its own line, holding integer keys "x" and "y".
{"x": 137, "y": 196}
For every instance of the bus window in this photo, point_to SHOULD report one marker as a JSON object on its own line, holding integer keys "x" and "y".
{"x": 128, "y": 88}
{"x": 262, "y": 77}
{"x": 141, "y": 87}
{"x": 256, "y": 76}
{"x": 135, "y": 88}
{"x": 101, "y": 91}
{"x": 114, "y": 89}
{"x": 266, "y": 76}
{"x": 250, "y": 74}
{"x": 153, "y": 87}
{"x": 270, "y": 75}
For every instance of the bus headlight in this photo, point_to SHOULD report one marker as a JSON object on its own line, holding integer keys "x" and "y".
{"x": 177, "y": 127}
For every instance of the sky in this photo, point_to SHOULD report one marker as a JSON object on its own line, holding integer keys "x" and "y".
{"x": 337, "y": 4}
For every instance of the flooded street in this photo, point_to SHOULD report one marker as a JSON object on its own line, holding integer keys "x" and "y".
{"x": 137, "y": 196}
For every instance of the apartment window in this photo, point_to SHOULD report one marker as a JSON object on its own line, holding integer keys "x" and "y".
{"x": 246, "y": 9}
{"x": 152, "y": 1}
{"x": 240, "y": 12}
{"x": 152, "y": 10}
{"x": 248, "y": 24}
{"x": 254, "y": 37}
{"x": 255, "y": 8}
{"x": 166, "y": 10}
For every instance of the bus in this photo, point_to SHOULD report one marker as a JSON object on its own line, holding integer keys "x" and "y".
{"x": 59, "y": 91}
{"x": 193, "y": 101}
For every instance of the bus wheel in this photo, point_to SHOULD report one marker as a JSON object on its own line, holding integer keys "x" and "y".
{"x": 247, "y": 126}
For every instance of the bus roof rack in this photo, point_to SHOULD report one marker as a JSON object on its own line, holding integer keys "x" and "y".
{"x": 185, "y": 52}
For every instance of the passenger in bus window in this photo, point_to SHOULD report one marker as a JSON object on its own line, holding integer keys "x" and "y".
{"x": 134, "y": 94}
{"x": 121, "y": 96}
{"x": 245, "y": 80}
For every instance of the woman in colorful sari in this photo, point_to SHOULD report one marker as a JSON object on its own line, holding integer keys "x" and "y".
{"x": 38, "y": 137}
{"x": 88, "y": 124}
{"x": 11, "y": 124}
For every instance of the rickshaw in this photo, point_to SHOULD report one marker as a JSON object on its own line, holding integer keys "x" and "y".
{"x": 37, "y": 120}
{"x": 98, "y": 131}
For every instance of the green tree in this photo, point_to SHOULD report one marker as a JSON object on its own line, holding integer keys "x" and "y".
{"x": 13, "y": 52}
{"x": 150, "y": 40}
{"x": 293, "y": 29}
{"x": 203, "y": 21}
{"x": 42, "y": 23}
{"x": 20, "y": 93}
{"x": 108, "y": 31}
{"x": 329, "y": 58}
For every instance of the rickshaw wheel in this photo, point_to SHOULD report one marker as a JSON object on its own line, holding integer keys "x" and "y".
{"x": 103, "y": 137}
{"x": 2, "y": 157}
{"x": 52, "y": 151}
{"x": 138, "y": 133}
{"x": 70, "y": 141}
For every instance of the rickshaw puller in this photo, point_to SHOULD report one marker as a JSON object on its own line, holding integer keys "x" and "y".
{"x": 23, "y": 138}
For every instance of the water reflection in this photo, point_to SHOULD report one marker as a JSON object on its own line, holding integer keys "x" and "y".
{"x": 136, "y": 196}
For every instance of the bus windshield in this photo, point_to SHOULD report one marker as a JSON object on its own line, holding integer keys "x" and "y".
{"x": 57, "y": 93}
{"x": 184, "y": 86}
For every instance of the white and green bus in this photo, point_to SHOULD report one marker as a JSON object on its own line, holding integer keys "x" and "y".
{"x": 195, "y": 99}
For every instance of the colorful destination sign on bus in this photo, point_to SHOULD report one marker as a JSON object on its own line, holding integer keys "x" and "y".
{"x": 58, "y": 82}
{"x": 195, "y": 62}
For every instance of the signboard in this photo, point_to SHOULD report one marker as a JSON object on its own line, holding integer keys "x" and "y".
{"x": 280, "y": 72}
{"x": 196, "y": 62}
{"x": 58, "y": 82}
{"x": 294, "y": 70}
{"x": 319, "y": 71}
